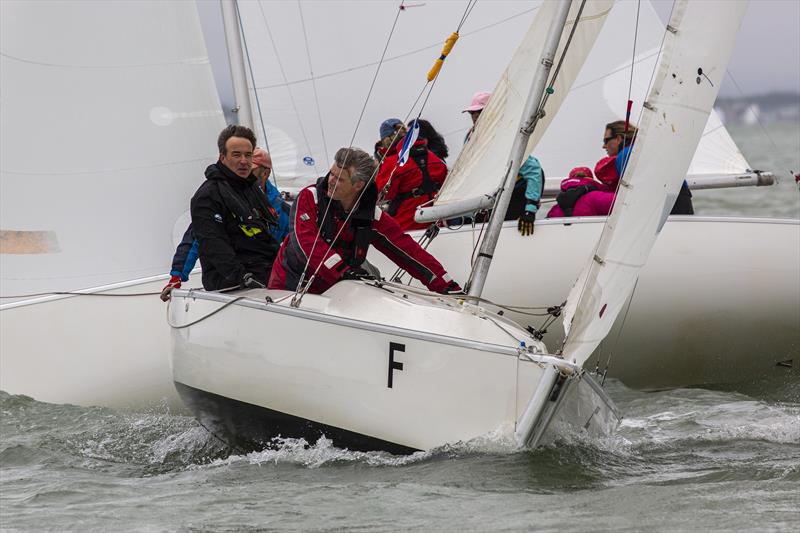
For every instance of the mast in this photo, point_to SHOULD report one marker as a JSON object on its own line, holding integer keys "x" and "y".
{"x": 518, "y": 150}
{"x": 230, "y": 20}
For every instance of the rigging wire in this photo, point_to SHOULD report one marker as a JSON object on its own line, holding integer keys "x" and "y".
{"x": 619, "y": 332}
{"x": 561, "y": 59}
{"x": 633, "y": 64}
{"x": 606, "y": 228}
{"x": 758, "y": 121}
{"x": 253, "y": 79}
{"x": 299, "y": 289}
{"x": 288, "y": 89}
{"x": 313, "y": 83}
{"x": 299, "y": 292}
{"x": 400, "y": 56}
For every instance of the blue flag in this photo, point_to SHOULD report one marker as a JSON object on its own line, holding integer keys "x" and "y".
{"x": 408, "y": 142}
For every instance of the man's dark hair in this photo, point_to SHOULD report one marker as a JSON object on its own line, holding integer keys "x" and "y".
{"x": 436, "y": 142}
{"x": 235, "y": 131}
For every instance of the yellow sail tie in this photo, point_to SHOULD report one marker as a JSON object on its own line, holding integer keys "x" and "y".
{"x": 448, "y": 46}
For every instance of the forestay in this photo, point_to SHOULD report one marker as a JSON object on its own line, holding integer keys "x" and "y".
{"x": 480, "y": 168}
{"x": 690, "y": 71}
{"x": 110, "y": 115}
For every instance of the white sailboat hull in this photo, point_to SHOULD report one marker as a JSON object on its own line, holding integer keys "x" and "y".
{"x": 367, "y": 368}
{"x": 728, "y": 289}
{"x": 718, "y": 301}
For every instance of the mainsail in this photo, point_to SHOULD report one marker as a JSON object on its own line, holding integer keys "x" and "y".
{"x": 481, "y": 167}
{"x": 109, "y": 116}
{"x": 697, "y": 47}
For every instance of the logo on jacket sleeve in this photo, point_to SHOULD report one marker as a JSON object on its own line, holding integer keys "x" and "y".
{"x": 218, "y": 217}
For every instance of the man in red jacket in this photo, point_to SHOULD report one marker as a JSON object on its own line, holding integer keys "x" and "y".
{"x": 334, "y": 222}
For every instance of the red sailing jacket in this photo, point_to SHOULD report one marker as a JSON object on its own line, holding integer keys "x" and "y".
{"x": 406, "y": 179}
{"x": 333, "y": 261}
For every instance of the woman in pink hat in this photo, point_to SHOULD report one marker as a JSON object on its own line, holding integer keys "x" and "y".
{"x": 529, "y": 186}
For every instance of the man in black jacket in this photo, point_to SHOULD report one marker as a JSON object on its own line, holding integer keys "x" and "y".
{"x": 232, "y": 218}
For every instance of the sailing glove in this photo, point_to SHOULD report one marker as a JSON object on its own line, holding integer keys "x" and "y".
{"x": 174, "y": 283}
{"x": 250, "y": 282}
{"x": 357, "y": 273}
{"x": 525, "y": 223}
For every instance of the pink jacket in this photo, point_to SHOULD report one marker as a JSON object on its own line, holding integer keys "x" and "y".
{"x": 594, "y": 203}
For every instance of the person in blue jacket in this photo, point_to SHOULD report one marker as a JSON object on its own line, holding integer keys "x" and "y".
{"x": 186, "y": 254}
{"x": 529, "y": 186}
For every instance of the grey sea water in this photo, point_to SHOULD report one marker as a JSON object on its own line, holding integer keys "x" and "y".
{"x": 682, "y": 460}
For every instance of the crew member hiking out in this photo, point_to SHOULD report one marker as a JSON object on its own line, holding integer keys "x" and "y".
{"x": 231, "y": 218}
{"x": 334, "y": 222}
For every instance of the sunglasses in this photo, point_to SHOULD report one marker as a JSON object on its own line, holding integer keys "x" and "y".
{"x": 607, "y": 139}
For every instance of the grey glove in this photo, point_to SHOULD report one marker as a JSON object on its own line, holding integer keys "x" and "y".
{"x": 250, "y": 282}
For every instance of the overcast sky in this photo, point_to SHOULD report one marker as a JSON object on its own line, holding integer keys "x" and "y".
{"x": 767, "y": 53}
{"x": 766, "y": 57}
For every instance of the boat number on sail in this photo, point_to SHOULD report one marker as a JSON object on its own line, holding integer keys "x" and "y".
{"x": 394, "y": 365}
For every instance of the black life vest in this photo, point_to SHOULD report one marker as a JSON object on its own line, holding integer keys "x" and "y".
{"x": 353, "y": 252}
{"x": 252, "y": 220}
{"x": 567, "y": 199}
{"x": 428, "y": 187}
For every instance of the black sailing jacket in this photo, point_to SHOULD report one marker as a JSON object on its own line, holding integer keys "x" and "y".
{"x": 232, "y": 221}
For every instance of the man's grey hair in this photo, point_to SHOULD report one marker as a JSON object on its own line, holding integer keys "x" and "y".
{"x": 361, "y": 162}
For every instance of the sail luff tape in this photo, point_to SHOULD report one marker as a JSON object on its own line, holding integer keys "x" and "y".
{"x": 437, "y": 65}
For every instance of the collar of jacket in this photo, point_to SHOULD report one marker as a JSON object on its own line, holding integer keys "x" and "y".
{"x": 218, "y": 171}
{"x": 399, "y": 144}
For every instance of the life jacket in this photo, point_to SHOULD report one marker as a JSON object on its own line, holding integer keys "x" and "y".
{"x": 567, "y": 199}
{"x": 353, "y": 252}
{"x": 428, "y": 187}
{"x": 254, "y": 220}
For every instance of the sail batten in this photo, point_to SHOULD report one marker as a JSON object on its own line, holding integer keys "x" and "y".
{"x": 689, "y": 74}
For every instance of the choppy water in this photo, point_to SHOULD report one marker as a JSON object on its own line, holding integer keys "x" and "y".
{"x": 682, "y": 460}
{"x": 687, "y": 459}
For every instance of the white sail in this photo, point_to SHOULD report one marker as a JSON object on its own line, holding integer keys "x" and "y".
{"x": 717, "y": 154}
{"x": 598, "y": 96}
{"x": 692, "y": 64}
{"x": 480, "y": 168}
{"x": 311, "y": 77}
{"x": 109, "y": 116}
{"x": 314, "y": 61}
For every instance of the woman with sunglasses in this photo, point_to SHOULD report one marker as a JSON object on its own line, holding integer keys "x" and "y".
{"x": 617, "y": 142}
